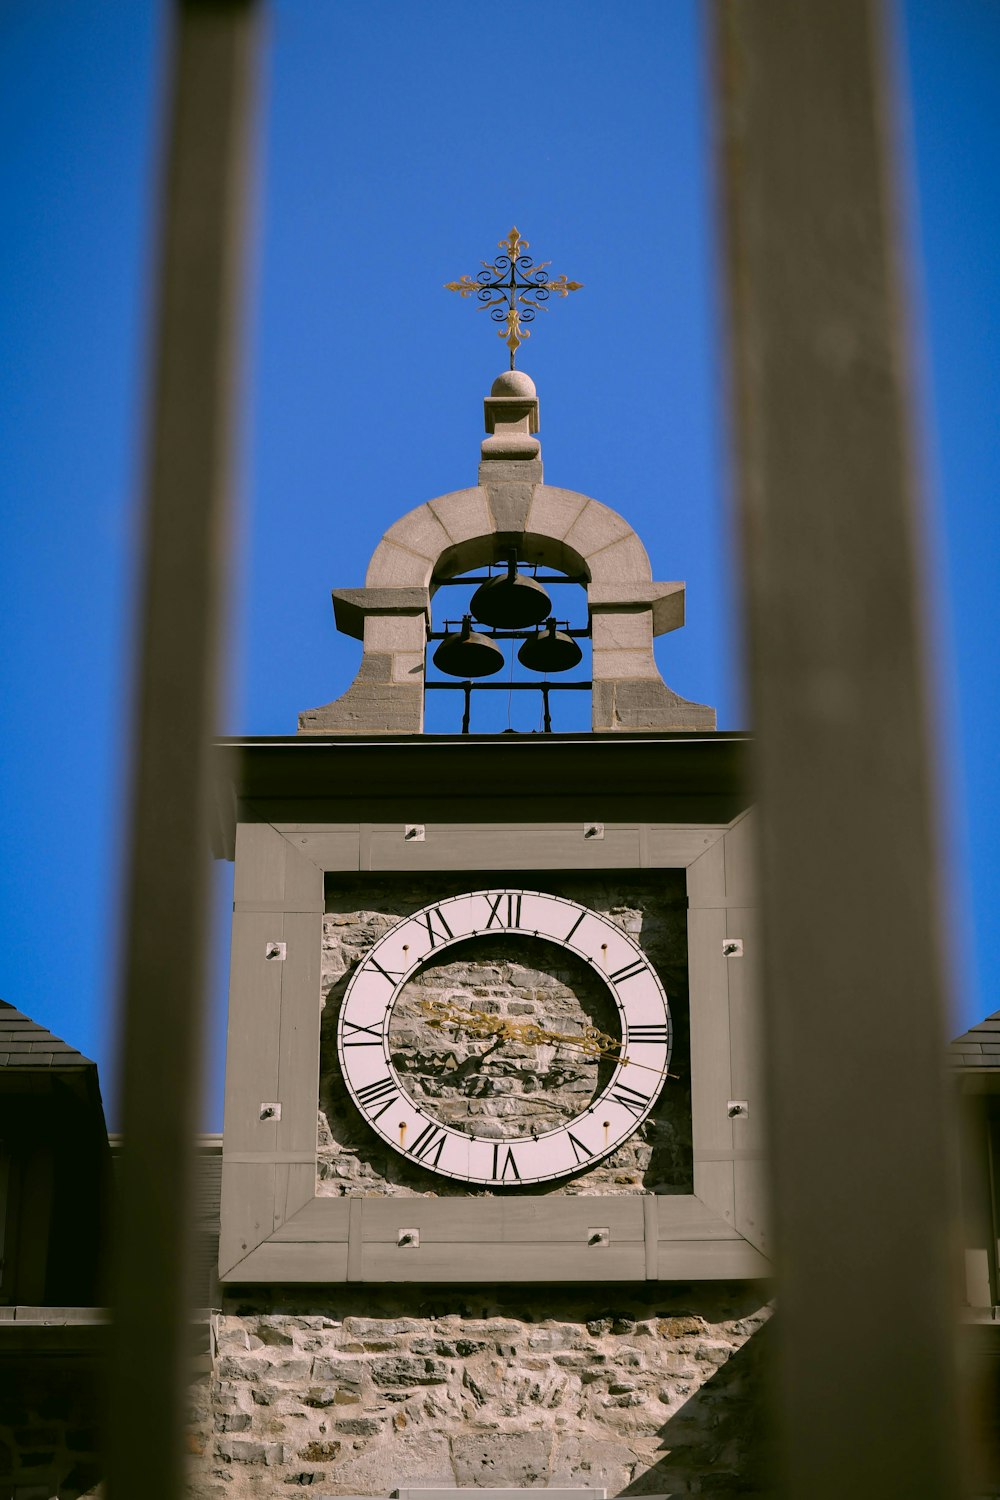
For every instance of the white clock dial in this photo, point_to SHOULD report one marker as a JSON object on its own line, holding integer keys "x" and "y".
{"x": 639, "y": 1062}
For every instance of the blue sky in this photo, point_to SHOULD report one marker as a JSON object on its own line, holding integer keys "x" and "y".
{"x": 397, "y": 143}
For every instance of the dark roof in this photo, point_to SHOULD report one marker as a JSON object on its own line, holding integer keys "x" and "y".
{"x": 979, "y": 1047}
{"x": 25, "y": 1044}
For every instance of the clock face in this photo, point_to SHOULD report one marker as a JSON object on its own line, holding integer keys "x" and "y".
{"x": 632, "y": 1051}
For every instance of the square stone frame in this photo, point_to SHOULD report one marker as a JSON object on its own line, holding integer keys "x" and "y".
{"x": 274, "y": 1226}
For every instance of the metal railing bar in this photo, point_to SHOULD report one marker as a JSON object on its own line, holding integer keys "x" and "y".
{"x": 446, "y": 583}
{"x": 187, "y": 482}
{"x": 852, "y": 963}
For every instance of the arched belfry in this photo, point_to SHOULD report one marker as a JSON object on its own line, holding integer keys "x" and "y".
{"x": 511, "y": 514}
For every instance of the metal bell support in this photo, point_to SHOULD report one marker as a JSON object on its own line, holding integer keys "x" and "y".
{"x": 551, "y": 650}
{"x": 468, "y": 654}
{"x": 510, "y": 602}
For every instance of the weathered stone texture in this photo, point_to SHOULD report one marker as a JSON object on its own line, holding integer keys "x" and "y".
{"x": 48, "y": 1428}
{"x": 504, "y": 1090}
{"x": 655, "y": 1394}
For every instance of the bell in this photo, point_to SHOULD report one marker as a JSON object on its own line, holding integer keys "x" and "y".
{"x": 551, "y": 650}
{"x": 512, "y": 602}
{"x": 468, "y": 654}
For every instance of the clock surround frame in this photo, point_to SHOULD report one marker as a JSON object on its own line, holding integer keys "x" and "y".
{"x": 291, "y": 811}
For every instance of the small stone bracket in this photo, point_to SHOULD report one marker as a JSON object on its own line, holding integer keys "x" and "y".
{"x": 732, "y": 947}
{"x": 270, "y": 1111}
{"x": 738, "y": 1109}
{"x": 599, "y": 1236}
{"x": 593, "y": 830}
{"x": 408, "y": 1239}
{"x": 276, "y": 952}
{"x": 414, "y": 833}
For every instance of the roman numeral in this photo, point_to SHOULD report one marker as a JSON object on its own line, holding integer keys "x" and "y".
{"x": 363, "y": 1036}
{"x": 574, "y": 927}
{"x": 580, "y": 1151}
{"x": 382, "y": 1092}
{"x": 372, "y": 963}
{"x": 504, "y": 1165}
{"x": 428, "y": 917}
{"x": 429, "y": 1144}
{"x": 648, "y": 1034}
{"x": 631, "y": 1098}
{"x": 513, "y": 917}
{"x": 630, "y": 971}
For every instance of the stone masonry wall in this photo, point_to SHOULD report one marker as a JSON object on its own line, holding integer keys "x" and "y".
{"x": 504, "y": 1089}
{"x": 49, "y": 1439}
{"x": 361, "y": 1391}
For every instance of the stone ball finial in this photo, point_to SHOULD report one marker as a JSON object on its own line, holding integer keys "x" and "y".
{"x": 514, "y": 383}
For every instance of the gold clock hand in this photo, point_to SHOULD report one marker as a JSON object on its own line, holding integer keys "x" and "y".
{"x": 474, "y": 1023}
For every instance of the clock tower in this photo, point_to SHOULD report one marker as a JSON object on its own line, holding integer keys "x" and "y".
{"x": 492, "y": 1183}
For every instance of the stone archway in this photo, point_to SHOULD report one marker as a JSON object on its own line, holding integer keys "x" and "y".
{"x": 467, "y": 528}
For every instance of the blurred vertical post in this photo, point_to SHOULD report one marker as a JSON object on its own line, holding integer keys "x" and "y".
{"x": 834, "y": 597}
{"x": 188, "y": 472}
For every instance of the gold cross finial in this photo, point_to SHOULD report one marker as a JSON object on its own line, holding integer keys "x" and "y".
{"x": 514, "y": 289}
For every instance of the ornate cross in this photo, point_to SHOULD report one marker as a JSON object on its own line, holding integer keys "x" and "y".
{"x": 514, "y": 289}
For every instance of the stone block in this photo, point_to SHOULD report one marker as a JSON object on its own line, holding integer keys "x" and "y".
{"x": 319, "y": 1397}
{"x": 554, "y": 511}
{"x": 232, "y": 1421}
{"x": 505, "y": 1329}
{"x": 420, "y": 1459}
{"x": 623, "y": 561}
{"x": 645, "y": 704}
{"x": 400, "y": 632}
{"x": 360, "y": 1426}
{"x": 351, "y": 607}
{"x": 268, "y": 1333}
{"x": 509, "y": 505}
{"x": 285, "y": 1371}
{"x": 630, "y": 631}
{"x": 584, "y": 1460}
{"x": 508, "y": 445}
{"x": 421, "y": 532}
{"x": 409, "y": 1371}
{"x": 346, "y": 1372}
{"x": 500, "y": 1460}
{"x": 369, "y": 1328}
{"x": 242, "y": 1451}
{"x": 596, "y": 527}
{"x": 510, "y": 471}
{"x": 320, "y": 1452}
{"x": 664, "y": 600}
{"x": 229, "y": 1337}
{"x": 618, "y": 664}
{"x": 519, "y": 410}
{"x": 464, "y": 514}
{"x": 449, "y": 1348}
{"x": 395, "y": 567}
{"x": 407, "y": 666}
{"x": 369, "y": 708}
{"x": 684, "y": 1325}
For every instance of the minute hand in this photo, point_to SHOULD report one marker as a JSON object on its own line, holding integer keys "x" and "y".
{"x": 475, "y": 1023}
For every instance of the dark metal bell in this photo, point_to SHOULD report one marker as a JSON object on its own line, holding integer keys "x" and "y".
{"x": 551, "y": 650}
{"x": 510, "y": 602}
{"x": 468, "y": 654}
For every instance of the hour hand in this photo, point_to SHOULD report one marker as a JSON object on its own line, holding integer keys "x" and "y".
{"x": 476, "y": 1024}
